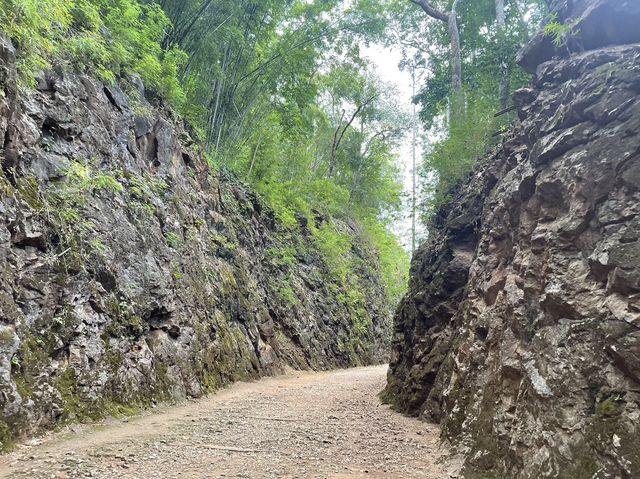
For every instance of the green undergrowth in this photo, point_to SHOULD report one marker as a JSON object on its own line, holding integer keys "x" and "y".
{"x": 453, "y": 158}
{"x": 361, "y": 263}
{"x": 104, "y": 37}
{"x": 325, "y": 213}
{"x": 63, "y": 205}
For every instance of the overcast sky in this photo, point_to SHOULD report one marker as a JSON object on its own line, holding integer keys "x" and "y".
{"x": 386, "y": 61}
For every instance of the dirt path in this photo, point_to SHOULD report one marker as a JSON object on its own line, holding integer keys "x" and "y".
{"x": 304, "y": 425}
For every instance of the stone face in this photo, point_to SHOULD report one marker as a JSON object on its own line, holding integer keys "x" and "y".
{"x": 520, "y": 331}
{"x": 8, "y": 92}
{"x": 593, "y": 24}
{"x": 129, "y": 273}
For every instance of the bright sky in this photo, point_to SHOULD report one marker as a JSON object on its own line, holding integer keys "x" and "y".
{"x": 386, "y": 61}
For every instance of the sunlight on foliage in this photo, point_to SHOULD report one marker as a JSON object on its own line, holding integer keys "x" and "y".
{"x": 336, "y": 249}
{"x": 394, "y": 260}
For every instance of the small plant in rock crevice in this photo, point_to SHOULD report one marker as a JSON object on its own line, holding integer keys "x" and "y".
{"x": 560, "y": 33}
{"x": 173, "y": 239}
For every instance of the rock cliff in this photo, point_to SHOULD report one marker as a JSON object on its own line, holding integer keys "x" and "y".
{"x": 521, "y": 330}
{"x": 131, "y": 274}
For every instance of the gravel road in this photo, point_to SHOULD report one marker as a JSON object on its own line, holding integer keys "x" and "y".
{"x": 301, "y": 425}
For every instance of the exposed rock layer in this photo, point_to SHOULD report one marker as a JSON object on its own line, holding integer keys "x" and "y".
{"x": 521, "y": 331}
{"x": 589, "y": 24}
{"x": 130, "y": 274}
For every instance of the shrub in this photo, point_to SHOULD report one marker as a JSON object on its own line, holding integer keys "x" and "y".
{"x": 286, "y": 201}
{"x": 107, "y": 37}
{"x": 560, "y": 32}
{"x": 394, "y": 260}
{"x": 454, "y": 157}
{"x": 335, "y": 247}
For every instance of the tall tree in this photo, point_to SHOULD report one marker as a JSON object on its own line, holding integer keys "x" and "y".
{"x": 451, "y": 19}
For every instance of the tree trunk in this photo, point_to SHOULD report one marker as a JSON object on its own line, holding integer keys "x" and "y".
{"x": 504, "y": 65}
{"x": 500, "y": 14}
{"x": 339, "y": 134}
{"x": 451, "y": 19}
{"x": 456, "y": 62}
{"x": 457, "y": 97}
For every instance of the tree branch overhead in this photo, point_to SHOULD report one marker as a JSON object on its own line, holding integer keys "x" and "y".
{"x": 431, "y": 10}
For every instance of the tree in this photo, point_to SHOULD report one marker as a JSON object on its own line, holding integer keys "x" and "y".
{"x": 340, "y": 131}
{"x": 414, "y": 170}
{"x": 451, "y": 19}
{"x": 491, "y": 32}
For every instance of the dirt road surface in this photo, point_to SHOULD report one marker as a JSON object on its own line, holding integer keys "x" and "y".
{"x": 302, "y": 425}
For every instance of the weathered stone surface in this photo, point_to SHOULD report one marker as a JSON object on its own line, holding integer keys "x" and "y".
{"x": 8, "y": 92}
{"x": 593, "y": 23}
{"x": 520, "y": 332}
{"x": 130, "y": 274}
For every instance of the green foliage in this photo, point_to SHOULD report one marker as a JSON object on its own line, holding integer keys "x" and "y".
{"x": 287, "y": 202}
{"x": 460, "y": 129}
{"x": 62, "y": 205}
{"x": 451, "y": 159}
{"x": 483, "y": 50}
{"x": 286, "y": 292}
{"x": 283, "y": 256}
{"x": 30, "y": 191}
{"x": 560, "y": 32}
{"x": 146, "y": 186}
{"x": 354, "y": 300}
{"x": 336, "y": 249}
{"x": 611, "y": 406}
{"x": 85, "y": 178}
{"x": 173, "y": 239}
{"x": 267, "y": 86}
{"x": 6, "y": 188}
{"x": 271, "y": 119}
{"x": 37, "y": 27}
{"x": 226, "y": 245}
{"x": 106, "y": 37}
{"x": 394, "y": 260}
{"x": 326, "y": 196}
